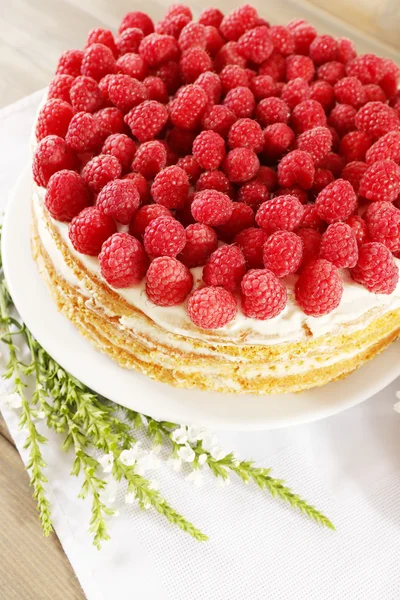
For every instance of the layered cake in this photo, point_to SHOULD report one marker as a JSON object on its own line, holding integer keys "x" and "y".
{"x": 215, "y": 202}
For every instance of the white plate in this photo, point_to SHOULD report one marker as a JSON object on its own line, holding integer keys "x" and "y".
{"x": 220, "y": 411}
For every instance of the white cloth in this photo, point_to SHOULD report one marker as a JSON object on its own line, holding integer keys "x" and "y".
{"x": 259, "y": 549}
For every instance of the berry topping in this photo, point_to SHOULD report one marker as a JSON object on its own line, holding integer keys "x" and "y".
{"x": 66, "y": 195}
{"x": 170, "y": 187}
{"x": 241, "y": 164}
{"x": 296, "y": 168}
{"x": 70, "y": 63}
{"x": 168, "y": 281}
{"x": 100, "y": 170}
{"x": 164, "y": 236}
{"x": 387, "y": 147}
{"x": 144, "y": 216}
{"x": 147, "y": 120}
{"x": 211, "y": 307}
{"x": 225, "y": 267}
{"x": 317, "y": 142}
{"x": 53, "y": 119}
{"x": 281, "y": 213}
{"x": 383, "y": 224}
{"x": 376, "y": 269}
{"x": 263, "y": 295}
{"x": 119, "y": 199}
{"x": 209, "y": 150}
{"x": 201, "y": 241}
{"x": 188, "y": 107}
{"x": 123, "y": 261}
{"x": 84, "y": 133}
{"x": 240, "y": 101}
{"x": 98, "y": 61}
{"x": 381, "y": 181}
{"x": 90, "y": 229}
{"x": 376, "y": 119}
{"x": 86, "y": 95}
{"x": 319, "y": 288}
{"x": 283, "y": 253}
{"x": 336, "y": 202}
{"x": 211, "y": 207}
{"x": 339, "y": 246}
{"x": 150, "y": 158}
{"x": 51, "y": 155}
{"x": 126, "y": 92}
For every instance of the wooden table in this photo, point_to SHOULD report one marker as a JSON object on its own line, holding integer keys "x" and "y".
{"x": 33, "y": 33}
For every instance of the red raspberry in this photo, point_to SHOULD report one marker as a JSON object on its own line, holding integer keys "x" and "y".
{"x": 147, "y": 120}
{"x": 282, "y": 253}
{"x": 98, "y": 60}
{"x": 376, "y": 119}
{"x": 346, "y": 50}
{"x": 296, "y": 168}
{"x": 322, "y": 178}
{"x": 281, "y": 213}
{"x": 51, "y": 155}
{"x": 201, "y": 241}
{"x": 295, "y": 91}
{"x": 354, "y": 172}
{"x": 251, "y": 242}
{"x": 240, "y": 101}
{"x": 211, "y": 16}
{"x": 168, "y": 281}
{"x": 240, "y": 165}
{"x": 343, "y": 118}
{"x": 164, "y": 236}
{"x": 335, "y": 139}
{"x": 296, "y": 191}
{"x": 141, "y": 185}
{"x": 191, "y": 167}
{"x": 102, "y": 36}
{"x": 354, "y": 146}
{"x": 262, "y": 86}
{"x": 144, "y": 216}
{"x": 331, "y": 72}
{"x": 119, "y": 199}
{"x": 256, "y": 44}
{"x": 129, "y": 40}
{"x": 268, "y": 176}
{"x": 339, "y": 246}
{"x": 322, "y": 92}
{"x": 214, "y": 40}
{"x": 374, "y": 93}
{"x": 66, "y": 195}
{"x": 122, "y": 147}
{"x": 110, "y": 120}
{"x": 303, "y": 33}
{"x": 137, "y": 19}
{"x": 387, "y": 147}
{"x": 156, "y": 89}
{"x": 350, "y": 90}
{"x": 104, "y": 85}
{"x": 359, "y": 228}
{"x": 84, "y": 133}
{"x": 229, "y": 55}
{"x": 263, "y": 295}
{"x": 246, "y": 133}
{"x": 60, "y": 86}
{"x": 214, "y": 180}
{"x": 383, "y": 224}
{"x": 317, "y": 142}
{"x": 169, "y": 73}
{"x": 211, "y": 307}
{"x": 173, "y": 25}
{"x": 180, "y": 141}
{"x": 133, "y": 65}
{"x": 100, "y": 170}
{"x": 241, "y": 218}
{"x": 209, "y": 150}
{"x": 149, "y": 159}
{"x": 299, "y": 66}
{"x": 311, "y": 219}
{"x": 193, "y": 35}
{"x": 193, "y": 63}
{"x": 86, "y": 95}
{"x": 311, "y": 243}
{"x": 283, "y": 39}
{"x": 178, "y": 9}
{"x": 188, "y": 107}
{"x": 53, "y": 119}
{"x": 156, "y": 49}
{"x": 278, "y": 138}
{"x": 336, "y": 202}
{"x": 376, "y": 269}
{"x": 70, "y": 63}
{"x": 233, "y": 76}
{"x": 170, "y": 187}
{"x": 219, "y": 119}
{"x": 368, "y": 68}
{"x": 225, "y": 267}
{"x": 123, "y": 261}
{"x": 253, "y": 192}
{"x": 307, "y": 115}
{"x": 323, "y": 49}
{"x": 319, "y": 288}
{"x": 331, "y": 161}
{"x": 272, "y": 110}
{"x": 381, "y": 181}
{"x": 211, "y": 207}
{"x": 274, "y": 66}
{"x": 237, "y": 22}
{"x": 90, "y": 229}
{"x": 126, "y": 92}
{"x": 211, "y": 84}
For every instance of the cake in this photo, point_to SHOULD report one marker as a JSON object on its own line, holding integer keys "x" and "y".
{"x": 215, "y": 202}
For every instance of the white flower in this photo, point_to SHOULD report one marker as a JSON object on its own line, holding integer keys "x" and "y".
{"x": 13, "y": 400}
{"x": 146, "y": 505}
{"x": 218, "y": 453}
{"x": 128, "y": 457}
{"x": 110, "y": 492}
{"x": 175, "y": 464}
{"x": 223, "y": 482}
{"x": 154, "y": 485}
{"x": 195, "y": 477}
{"x": 157, "y": 449}
{"x": 202, "y": 459}
{"x": 196, "y": 433}
{"x": 209, "y": 440}
{"x": 130, "y": 498}
{"x": 147, "y": 462}
{"x": 186, "y": 454}
{"x": 40, "y": 415}
{"x": 179, "y": 435}
{"x": 107, "y": 461}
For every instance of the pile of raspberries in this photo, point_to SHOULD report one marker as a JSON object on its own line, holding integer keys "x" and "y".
{"x": 253, "y": 151}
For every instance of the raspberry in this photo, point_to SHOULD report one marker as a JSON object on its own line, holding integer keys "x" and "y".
{"x": 256, "y": 44}
{"x": 350, "y": 90}
{"x": 51, "y": 155}
{"x": 219, "y": 119}
{"x": 102, "y": 36}
{"x": 191, "y": 167}
{"x": 211, "y": 84}
{"x": 296, "y": 168}
{"x": 168, "y": 281}
{"x": 246, "y": 133}
{"x": 336, "y": 202}
{"x": 110, "y": 120}
{"x": 225, "y": 267}
{"x": 178, "y": 9}
{"x": 193, "y": 63}
{"x": 387, "y": 147}
{"x": 383, "y": 224}
{"x": 122, "y": 147}
{"x": 233, "y": 76}
{"x": 322, "y": 92}
{"x": 274, "y": 66}
{"x": 209, "y": 150}
{"x": 211, "y": 307}
{"x": 268, "y": 176}
{"x": 149, "y": 159}
{"x": 381, "y": 181}
{"x": 214, "y": 41}
{"x": 240, "y": 165}
{"x": 354, "y": 172}
{"x": 322, "y": 178}
{"x": 119, "y": 199}
{"x": 241, "y": 218}
{"x": 170, "y": 187}
{"x": 59, "y": 87}
{"x": 211, "y": 16}
{"x": 346, "y": 50}
{"x": 90, "y": 229}
{"x": 317, "y": 142}
{"x": 374, "y": 93}
{"x": 173, "y": 25}
{"x": 211, "y": 207}
{"x": 188, "y": 107}
{"x": 193, "y": 35}
{"x": 180, "y": 141}
{"x": 311, "y": 243}
{"x": 147, "y": 120}
{"x": 98, "y": 60}
{"x": 251, "y": 242}
{"x": 296, "y": 191}
{"x": 137, "y": 19}
{"x": 283, "y": 39}
{"x": 331, "y": 161}
{"x": 214, "y": 180}
{"x": 133, "y": 65}
{"x": 323, "y": 49}
{"x": 339, "y": 246}
{"x": 354, "y": 146}
{"x": 156, "y": 89}
{"x": 100, "y": 170}
{"x": 86, "y": 95}
{"x": 70, "y": 63}
{"x": 272, "y": 110}
{"x": 237, "y": 22}
{"x": 376, "y": 119}
{"x": 368, "y": 68}
{"x": 299, "y": 66}
{"x": 282, "y": 253}
{"x": 335, "y": 139}
{"x": 376, "y": 269}
{"x": 319, "y": 288}
{"x": 156, "y": 49}
{"x": 123, "y": 261}
{"x": 262, "y": 86}
{"x": 331, "y": 72}
{"x": 169, "y": 73}
{"x": 295, "y": 91}
{"x": 164, "y": 236}
{"x": 241, "y": 102}
{"x": 229, "y": 55}
{"x": 311, "y": 219}
{"x": 126, "y": 92}
{"x": 307, "y": 115}
{"x": 303, "y": 33}
{"x": 53, "y": 119}
{"x": 144, "y": 216}
{"x": 263, "y": 295}
{"x": 278, "y": 138}
{"x": 84, "y": 133}
{"x": 281, "y": 213}
{"x": 253, "y": 192}
{"x": 129, "y": 40}
{"x": 66, "y": 195}
{"x": 201, "y": 241}
{"x": 343, "y": 118}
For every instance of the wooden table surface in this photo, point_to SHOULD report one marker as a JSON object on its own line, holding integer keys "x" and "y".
{"x": 33, "y": 33}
